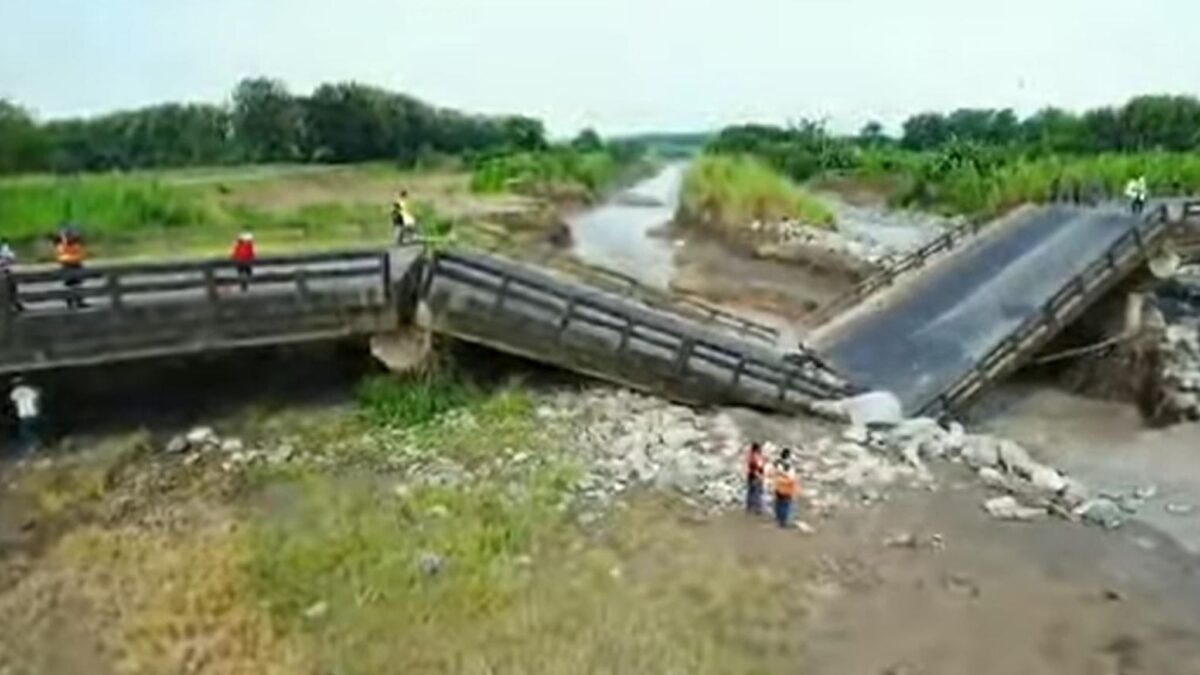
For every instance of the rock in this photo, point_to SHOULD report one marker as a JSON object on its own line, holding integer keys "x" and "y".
{"x": 202, "y": 436}
{"x": 231, "y": 445}
{"x": 316, "y": 610}
{"x": 1008, "y": 508}
{"x": 855, "y": 434}
{"x": 282, "y": 454}
{"x": 177, "y": 445}
{"x": 803, "y": 527}
{"x": 1101, "y": 511}
{"x": 991, "y": 477}
{"x": 431, "y": 564}
{"x": 1177, "y": 509}
{"x": 960, "y": 583}
{"x": 981, "y": 451}
{"x": 1014, "y": 459}
{"x": 1146, "y": 492}
{"x": 1047, "y": 480}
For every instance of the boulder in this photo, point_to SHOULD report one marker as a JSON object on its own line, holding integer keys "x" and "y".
{"x": 1103, "y": 512}
{"x": 981, "y": 451}
{"x": 202, "y": 436}
{"x": 1008, "y": 508}
{"x": 1047, "y": 479}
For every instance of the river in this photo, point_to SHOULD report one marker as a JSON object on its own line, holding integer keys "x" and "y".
{"x": 618, "y": 234}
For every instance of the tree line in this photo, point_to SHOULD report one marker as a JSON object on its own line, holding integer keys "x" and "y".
{"x": 263, "y": 122}
{"x": 1144, "y": 123}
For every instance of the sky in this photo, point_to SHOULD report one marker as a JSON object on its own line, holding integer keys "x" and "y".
{"x": 617, "y": 65}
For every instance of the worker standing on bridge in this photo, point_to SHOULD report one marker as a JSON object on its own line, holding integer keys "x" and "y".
{"x": 8, "y": 260}
{"x": 71, "y": 254}
{"x": 756, "y": 470}
{"x": 1137, "y": 192}
{"x": 402, "y": 218}
{"x": 243, "y": 257}
{"x": 786, "y": 487}
{"x": 26, "y": 400}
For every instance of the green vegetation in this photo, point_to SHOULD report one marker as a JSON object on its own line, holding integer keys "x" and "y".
{"x": 727, "y": 194}
{"x": 338, "y": 122}
{"x": 983, "y": 162}
{"x": 579, "y": 171}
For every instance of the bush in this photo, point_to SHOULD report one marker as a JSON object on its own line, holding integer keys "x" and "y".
{"x": 413, "y": 400}
{"x": 728, "y": 193}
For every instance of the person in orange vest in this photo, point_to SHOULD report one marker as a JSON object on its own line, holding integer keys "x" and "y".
{"x": 243, "y": 256}
{"x": 71, "y": 254}
{"x": 756, "y": 473}
{"x": 783, "y": 480}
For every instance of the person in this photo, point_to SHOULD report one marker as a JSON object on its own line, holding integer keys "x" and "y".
{"x": 26, "y": 400}
{"x": 785, "y": 485}
{"x": 756, "y": 469}
{"x": 402, "y": 218}
{"x": 1137, "y": 192}
{"x": 71, "y": 254}
{"x": 243, "y": 257}
{"x": 8, "y": 260}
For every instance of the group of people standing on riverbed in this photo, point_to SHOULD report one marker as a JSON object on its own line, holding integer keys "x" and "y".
{"x": 779, "y": 475}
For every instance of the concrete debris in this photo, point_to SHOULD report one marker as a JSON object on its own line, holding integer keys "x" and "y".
{"x": 992, "y": 478}
{"x": 1008, "y": 508}
{"x": 1179, "y": 373}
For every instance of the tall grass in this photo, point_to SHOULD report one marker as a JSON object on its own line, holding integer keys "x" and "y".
{"x": 561, "y": 172}
{"x": 727, "y": 194}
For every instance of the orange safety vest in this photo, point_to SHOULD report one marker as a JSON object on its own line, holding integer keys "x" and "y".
{"x": 71, "y": 253}
{"x": 785, "y": 483}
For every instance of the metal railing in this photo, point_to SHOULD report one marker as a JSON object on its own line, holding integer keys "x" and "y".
{"x": 896, "y": 267}
{"x": 117, "y": 285}
{"x": 1061, "y": 308}
{"x": 508, "y": 282}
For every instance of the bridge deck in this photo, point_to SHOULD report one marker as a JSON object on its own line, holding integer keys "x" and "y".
{"x": 920, "y": 339}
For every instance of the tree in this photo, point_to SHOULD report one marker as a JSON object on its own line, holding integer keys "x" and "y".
{"x": 588, "y": 141}
{"x": 267, "y": 120}
{"x": 872, "y": 134}
{"x": 925, "y": 131}
{"x": 23, "y": 145}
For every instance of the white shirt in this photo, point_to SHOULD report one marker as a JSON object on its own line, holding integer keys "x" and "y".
{"x": 26, "y": 399}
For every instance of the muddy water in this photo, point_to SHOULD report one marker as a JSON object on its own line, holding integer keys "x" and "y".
{"x": 617, "y": 234}
{"x": 1106, "y": 445}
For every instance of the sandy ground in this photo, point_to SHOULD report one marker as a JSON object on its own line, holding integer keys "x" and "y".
{"x": 998, "y": 598}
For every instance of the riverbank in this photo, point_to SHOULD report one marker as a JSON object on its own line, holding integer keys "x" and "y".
{"x": 547, "y": 526}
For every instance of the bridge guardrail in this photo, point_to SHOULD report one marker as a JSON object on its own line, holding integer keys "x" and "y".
{"x": 891, "y": 271}
{"x": 1058, "y": 310}
{"x": 506, "y": 282}
{"x": 119, "y": 283}
{"x": 629, "y": 286}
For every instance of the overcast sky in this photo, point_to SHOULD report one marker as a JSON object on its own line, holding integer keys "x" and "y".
{"x": 618, "y": 65}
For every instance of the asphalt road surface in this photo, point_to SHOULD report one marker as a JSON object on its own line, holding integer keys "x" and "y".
{"x": 929, "y": 332}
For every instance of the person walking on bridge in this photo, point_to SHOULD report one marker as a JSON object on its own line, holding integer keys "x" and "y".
{"x": 26, "y": 400}
{"x": 756, "y": 470}
{"x": 243, "y": 256}
{"x": 70, "y": 253}
{"x": 402, "y": 218}
{"x": 8, "y": 283}
{"x": 1137, "y": 192}
{"x": 786, "y": 487}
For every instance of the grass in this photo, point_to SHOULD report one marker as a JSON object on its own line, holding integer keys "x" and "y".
{"x": 561, "y": 174}
{"x": 983, "y": 182}
{"x": 321, "y": 569}
{"x": 726, "y": 194}
{"x": 200, "y": 211}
